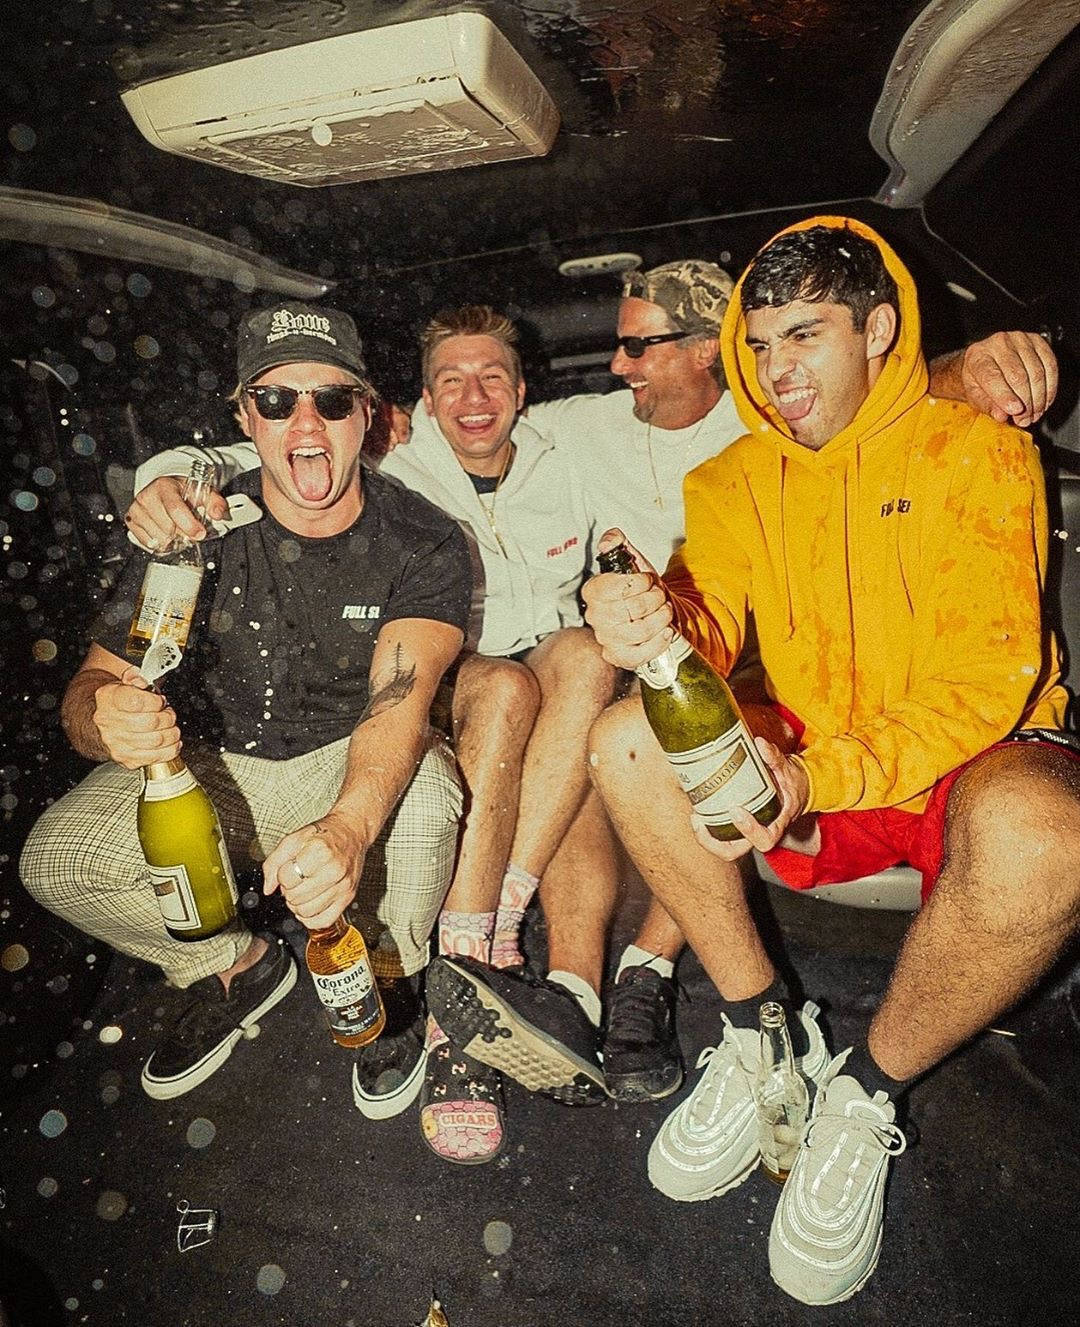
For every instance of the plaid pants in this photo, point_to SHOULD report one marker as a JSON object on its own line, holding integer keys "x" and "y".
{"x": 83, "y": 860}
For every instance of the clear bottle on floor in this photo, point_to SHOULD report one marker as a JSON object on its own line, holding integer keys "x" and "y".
{"x": 165, "y": 604}
{"x": 781, "y": 1099}
{"x": 338, "y": 961}
{"x": 185, "y": 853}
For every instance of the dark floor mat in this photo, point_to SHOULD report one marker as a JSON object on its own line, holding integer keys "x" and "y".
{"x": 330, "y": 1219}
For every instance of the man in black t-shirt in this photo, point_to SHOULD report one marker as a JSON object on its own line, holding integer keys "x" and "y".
{"x": 321, "y": 634}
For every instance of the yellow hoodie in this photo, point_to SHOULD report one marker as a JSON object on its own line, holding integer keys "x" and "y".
{"x": 894, "y": 575}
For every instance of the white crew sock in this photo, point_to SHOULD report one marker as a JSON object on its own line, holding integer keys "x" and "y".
{"x": 582, "y": 992}
{"x": 633, "y": 957}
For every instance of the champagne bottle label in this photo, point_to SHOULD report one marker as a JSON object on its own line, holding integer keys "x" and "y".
{"x": 167, "y": 602}
{"x": 349, "y": 997}
{"x": 661, "y": 672}
{"x": 174, "y": 889}
{"x": 161, "y": 790}
{"x": 175, "y": 897}
{"x": 724, "y": 773}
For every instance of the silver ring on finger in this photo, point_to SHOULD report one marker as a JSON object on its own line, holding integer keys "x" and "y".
{"x": 299, "y": 874}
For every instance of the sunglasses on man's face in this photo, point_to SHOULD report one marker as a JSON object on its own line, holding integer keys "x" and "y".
{"x": 333, "y": 402}
{"x": 636, "y": 346}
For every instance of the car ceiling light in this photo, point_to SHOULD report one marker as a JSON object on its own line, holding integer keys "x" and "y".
{"x": 604, "y": 264}
{"x": 433, "y": 94}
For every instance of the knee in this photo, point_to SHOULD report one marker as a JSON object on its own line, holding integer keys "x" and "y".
{"x": 1015, "y": 818}
{"x": 618, "y": 739}
{"x": 573, "y": 659}
{"x": 41, "y": 860}
{"x": 496, "y": 691}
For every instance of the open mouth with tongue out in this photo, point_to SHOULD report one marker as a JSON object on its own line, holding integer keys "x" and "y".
{"x": 312, "y": 472}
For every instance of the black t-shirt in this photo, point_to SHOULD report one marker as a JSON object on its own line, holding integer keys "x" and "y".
{"x": 278, "y": 660}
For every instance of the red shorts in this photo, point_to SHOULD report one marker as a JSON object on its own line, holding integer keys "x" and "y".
{"x": 858, "y": 843}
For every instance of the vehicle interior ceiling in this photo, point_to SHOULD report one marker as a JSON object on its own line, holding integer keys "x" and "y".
{"x": 688, "y": 129}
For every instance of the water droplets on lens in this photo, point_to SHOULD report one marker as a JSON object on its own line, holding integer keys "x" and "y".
{"x": 498, "y": 1236}
{"x": 111, "y": 1205}
{"x": 270, "y": 1278}
{"x": 53, "y": 1123}
{"x": 201, "y": 1132}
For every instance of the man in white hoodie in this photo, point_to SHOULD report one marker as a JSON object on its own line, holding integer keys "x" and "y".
{"x": 524, "y": 693}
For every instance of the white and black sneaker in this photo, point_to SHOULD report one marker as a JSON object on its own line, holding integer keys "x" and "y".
{"x": 709, "y": 1142}
{"x": 388, "y": 1072}
{"x": 213, "y": 1021}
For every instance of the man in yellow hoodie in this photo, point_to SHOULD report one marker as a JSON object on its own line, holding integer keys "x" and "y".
{"x": 891, "y": 547}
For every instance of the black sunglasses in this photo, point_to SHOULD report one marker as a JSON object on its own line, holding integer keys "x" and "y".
{"x": 337, "y": 401}
{"x": 635, "y": 346}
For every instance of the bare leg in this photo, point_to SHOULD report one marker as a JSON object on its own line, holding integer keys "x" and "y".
{"x": 247, "y": 959}
{"x": 658, "y": 933}
{"x": 495, "y": 705}
{"x": 702, "y": 895}
{"x": 1006, "y": 903}
{"x": 581, "y": 881}
{"x": 575, "y": 685}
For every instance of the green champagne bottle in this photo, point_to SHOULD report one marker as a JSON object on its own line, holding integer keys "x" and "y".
{"x": 185, "y": 852}
{"x": 698, "y": 724}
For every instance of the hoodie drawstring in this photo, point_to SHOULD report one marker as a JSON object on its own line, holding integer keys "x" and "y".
{"x": 785, "y": 569}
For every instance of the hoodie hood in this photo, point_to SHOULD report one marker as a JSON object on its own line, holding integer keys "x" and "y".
{"x": 901, "y": 383}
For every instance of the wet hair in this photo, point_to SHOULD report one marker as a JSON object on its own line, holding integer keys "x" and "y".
{"x": 819, "y": 265}
{"x": 469, "y": 320}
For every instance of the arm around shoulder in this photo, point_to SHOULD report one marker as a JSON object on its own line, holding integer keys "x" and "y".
{"x": 230, "y": 460}
{"x": 1010, "y": 376}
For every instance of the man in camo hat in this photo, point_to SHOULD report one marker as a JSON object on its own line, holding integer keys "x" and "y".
{"x": 694, "y": 294}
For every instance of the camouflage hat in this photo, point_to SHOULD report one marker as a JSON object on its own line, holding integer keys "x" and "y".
{"x": 692, "y": 293}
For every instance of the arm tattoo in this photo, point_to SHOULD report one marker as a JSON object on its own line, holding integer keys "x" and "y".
{"x": 392, "y": 691}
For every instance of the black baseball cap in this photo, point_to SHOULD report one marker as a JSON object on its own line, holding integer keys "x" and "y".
{"x": 294, "y": 333}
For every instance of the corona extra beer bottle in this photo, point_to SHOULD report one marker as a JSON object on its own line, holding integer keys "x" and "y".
{"x": 338, "y": 961}
{"x": 781, "y": 1099}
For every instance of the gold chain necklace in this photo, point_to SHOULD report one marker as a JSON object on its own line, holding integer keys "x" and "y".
{"x": 489, "y": 511}
{"x": 658, "y": 501}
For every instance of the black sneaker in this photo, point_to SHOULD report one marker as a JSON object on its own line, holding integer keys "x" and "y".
{"x": 211, "y": 1023}
{"x": 389, "y": 1072}
{"x": 641, "y": 1051}
{"x": 534, "y": 1031}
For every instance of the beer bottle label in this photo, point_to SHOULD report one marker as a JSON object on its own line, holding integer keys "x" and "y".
{"x": 167, "y": 603}
{"x": 349, "y": 997}
{"x": 175, "y": 891}
{"x": 724, "y": 773}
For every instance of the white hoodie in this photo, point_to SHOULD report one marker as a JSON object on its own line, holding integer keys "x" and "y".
{"x": 526, "y": 578}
